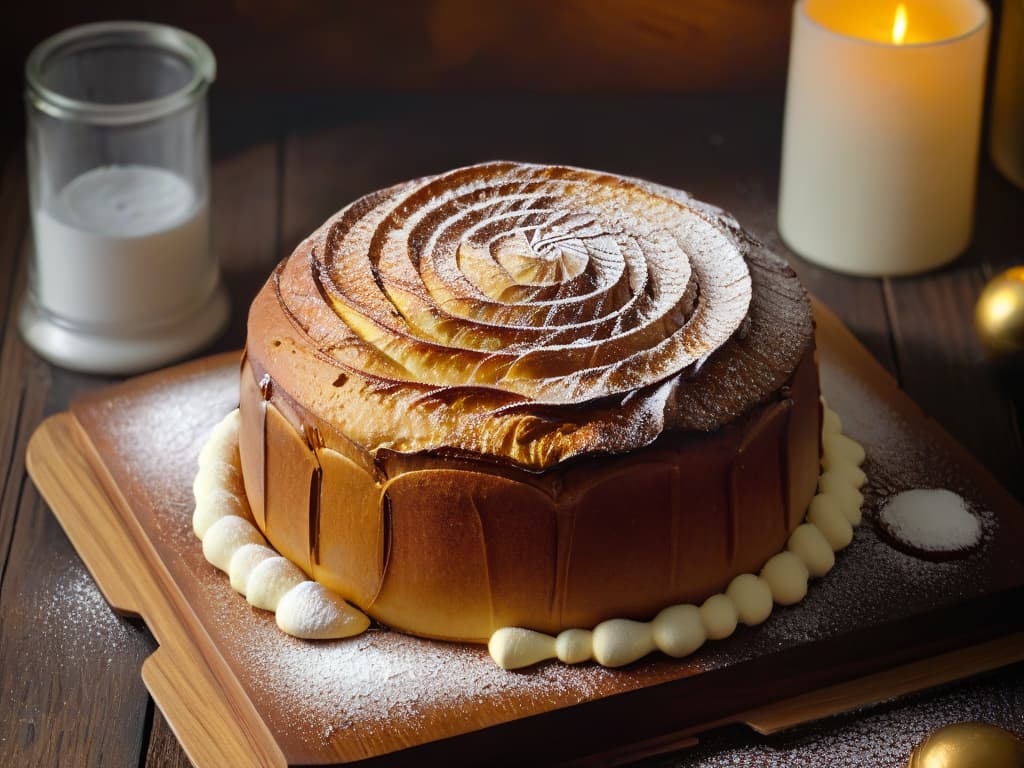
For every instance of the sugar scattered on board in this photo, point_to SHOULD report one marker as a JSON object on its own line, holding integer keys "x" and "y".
{"x": 931, "y": 520}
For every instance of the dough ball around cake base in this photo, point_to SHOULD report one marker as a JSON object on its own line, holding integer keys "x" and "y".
{"x": 450, "y": 508}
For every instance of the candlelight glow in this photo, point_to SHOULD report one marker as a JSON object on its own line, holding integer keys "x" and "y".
{"x": 899, "y": 24}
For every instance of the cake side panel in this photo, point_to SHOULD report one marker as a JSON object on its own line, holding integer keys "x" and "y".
{"x": 775, "y": 474}
{"x": 251, "y": 448}
{"x": 469, "y": 552}
{"x": 317, "y": 507}
{"x": 353, "y": 530}
{"x": 650, "y": 530}
{"x": 803, "y": 439}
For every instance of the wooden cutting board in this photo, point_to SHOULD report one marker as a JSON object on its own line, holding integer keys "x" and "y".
{"x": 117, "y": 471}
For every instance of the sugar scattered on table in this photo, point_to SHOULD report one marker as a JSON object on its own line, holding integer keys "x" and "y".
{"x": 80, "y": 624}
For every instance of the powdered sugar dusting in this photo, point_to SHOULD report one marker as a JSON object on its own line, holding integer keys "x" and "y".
{"x": 932, "y": 520}
{"x": 380, "y": 682}
{"x": 376, "y": 682}
{"x": 78, "y": 623}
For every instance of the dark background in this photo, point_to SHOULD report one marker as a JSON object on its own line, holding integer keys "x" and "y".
{"x": 269, "y": 48}
{"x": 417, "y": 44}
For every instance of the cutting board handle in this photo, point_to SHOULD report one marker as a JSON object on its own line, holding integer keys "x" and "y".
{"x": 101, "y": 541}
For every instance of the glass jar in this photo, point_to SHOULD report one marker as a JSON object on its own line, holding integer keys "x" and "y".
{"x": 122, "y": 278}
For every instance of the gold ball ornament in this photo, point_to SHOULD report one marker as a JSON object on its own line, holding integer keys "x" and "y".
{"x": 999, "y": 313}
{"x": 969, "y": 745}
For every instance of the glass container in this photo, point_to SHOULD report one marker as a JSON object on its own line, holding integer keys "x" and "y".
{"x": 122, "y": 277}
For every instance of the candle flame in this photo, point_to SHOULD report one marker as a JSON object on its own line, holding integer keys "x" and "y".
{"x": 899, "y": 25}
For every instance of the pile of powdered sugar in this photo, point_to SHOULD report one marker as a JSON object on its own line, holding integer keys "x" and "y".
{"x": 930, "y": 520}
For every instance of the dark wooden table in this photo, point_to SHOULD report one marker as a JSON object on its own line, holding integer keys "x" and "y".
{"x": 70, "y": 691}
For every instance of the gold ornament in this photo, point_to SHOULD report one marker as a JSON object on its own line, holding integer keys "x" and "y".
{"x": 999, "y": 313}
{"x": 969, "y": 745}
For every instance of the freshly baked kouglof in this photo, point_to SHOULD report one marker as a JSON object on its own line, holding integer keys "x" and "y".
{"x": 528, "y": 396}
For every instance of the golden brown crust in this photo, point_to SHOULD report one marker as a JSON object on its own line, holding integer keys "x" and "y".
{"x": 451, "y": 324}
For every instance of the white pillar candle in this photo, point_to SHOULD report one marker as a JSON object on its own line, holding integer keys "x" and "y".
{"x": 880, "y": 147}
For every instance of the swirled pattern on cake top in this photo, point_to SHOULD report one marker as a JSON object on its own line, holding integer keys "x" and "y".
{"x": 531, "y": 314}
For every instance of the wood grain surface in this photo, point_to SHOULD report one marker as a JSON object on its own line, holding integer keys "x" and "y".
{"x": 70, "y": 691}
